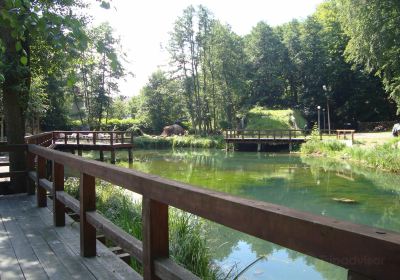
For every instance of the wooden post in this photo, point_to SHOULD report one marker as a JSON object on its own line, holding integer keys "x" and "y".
{"x": 58, "y": 185}
{"x": 131, "y": 137}
{"x": 80, "y": 152}
{"x": 155, "y": 235}
{"x": 53, "y": 137}
{"x": 258, "y": 147}
{"x": 87, "y": 191}
{"x": 94, "y": 138}
{"x": 65, "y": 138}
{"x": 30, "y": 166}
{"x": 77, "y": 138}
{"x": 130, "y": 156}
{"x": 111, "y": 138}
{"x": 41, "y": 173}
{"x": 122, "y": 138}
{"x": 112, "y": 156}
{"x": 101, "y": 155}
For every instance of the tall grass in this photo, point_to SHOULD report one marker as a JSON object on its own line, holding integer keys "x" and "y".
{"x": 190, "y": 141}
{"x": 385, "y": 156}
{"x": 187, "y": 239}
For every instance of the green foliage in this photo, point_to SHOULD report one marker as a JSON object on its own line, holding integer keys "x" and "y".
{"x": 385, "y": 156}
{"x": 160, "y": 102}
{"x": 120, "y": 125}
{"x": 373, "y": 32}
{"x": 190, "y": 141}
{"x": 261, "y": 118}
{"x": 326, "y": 147}
{"x": 187, "y": 232}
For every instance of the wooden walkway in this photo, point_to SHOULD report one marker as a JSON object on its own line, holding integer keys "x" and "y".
{"x": 32, "y": 248}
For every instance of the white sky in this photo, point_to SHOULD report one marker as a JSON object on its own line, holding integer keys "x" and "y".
{"x": 143, "y": 26}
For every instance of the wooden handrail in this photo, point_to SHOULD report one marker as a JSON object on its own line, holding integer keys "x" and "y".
{"x": 367, "y": 251}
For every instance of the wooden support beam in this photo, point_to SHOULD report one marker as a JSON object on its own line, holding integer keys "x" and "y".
{"x": 101, "y": 155}
{"x": 31, "y": 166}
{"x": 112, "y": 156}
{"x": 155, "y": 235}
{"x": 41, "y": 174}
{"x": 58, "y": 185}
{"x": 87, "y": 196}
{"x": 130, "y": 156}
{"x": 79, "y": 152}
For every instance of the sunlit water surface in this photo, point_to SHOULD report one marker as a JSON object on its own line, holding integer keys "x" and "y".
{"x": 303, "y": 183}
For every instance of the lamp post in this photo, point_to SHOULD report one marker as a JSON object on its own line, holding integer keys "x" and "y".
{"x": 319, "y": 118}
{"x": 326, "y": 89}
{"x": 323, "y": 117}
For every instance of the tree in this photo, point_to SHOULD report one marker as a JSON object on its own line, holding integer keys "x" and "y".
{"x": 266, "y": 55}
{"x": 161, "y": 102}
{"x": 20, "y": 23}
{"x": 373, "y": 29}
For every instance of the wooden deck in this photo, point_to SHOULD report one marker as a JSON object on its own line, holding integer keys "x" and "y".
{"x": 32, "y": 248}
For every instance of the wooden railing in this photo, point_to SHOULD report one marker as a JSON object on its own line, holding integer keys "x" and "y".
{"x": 345, "y": 132}
{"x": 265, "y": 134}
{"x": 92, "y": 137}
{"x": 367, "y": 252}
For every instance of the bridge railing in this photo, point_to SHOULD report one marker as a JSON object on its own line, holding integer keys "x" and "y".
{"x": 367, "y": 252}
{"x": 265, "y": 134}
{"x": 92, "y": 137}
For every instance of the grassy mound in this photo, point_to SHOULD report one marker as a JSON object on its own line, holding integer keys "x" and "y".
{"x": 262, "y": 118}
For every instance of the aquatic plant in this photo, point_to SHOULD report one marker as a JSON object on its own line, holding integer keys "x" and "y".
{"x": 187, "y": 239}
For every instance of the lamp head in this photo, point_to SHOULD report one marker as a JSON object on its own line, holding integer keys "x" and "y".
{"x": 318, "y": 107}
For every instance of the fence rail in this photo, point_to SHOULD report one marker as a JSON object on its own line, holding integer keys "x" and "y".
{"x": 367, "y": 252}
{"x": 265, "y": 134}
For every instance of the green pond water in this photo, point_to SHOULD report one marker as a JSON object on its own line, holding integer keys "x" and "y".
{"x": 303, "y": 183}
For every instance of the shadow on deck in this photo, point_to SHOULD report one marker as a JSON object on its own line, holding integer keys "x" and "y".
{"x": 32, "y": 248}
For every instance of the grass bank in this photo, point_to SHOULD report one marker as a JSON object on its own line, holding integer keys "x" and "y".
{"x": 262, "y": 118}
{"x": 385, "y": 156}
{"x": 187, "y": 239}
{"x": 189, "y": 141}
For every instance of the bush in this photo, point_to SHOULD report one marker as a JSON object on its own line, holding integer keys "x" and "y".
{"x": 190, "y": 141}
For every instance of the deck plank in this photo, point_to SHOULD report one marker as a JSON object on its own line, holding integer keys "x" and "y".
{"x": 32, "y": 248}
{"x": 31, "y": 229}
{"x": 106, "y": 265}
{"x": 58, "y": 261}
{"x": 9, "y": 266}
{"x": 25, "y": 256}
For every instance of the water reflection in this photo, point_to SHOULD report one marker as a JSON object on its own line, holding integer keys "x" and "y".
{"x": 316, "y": 185}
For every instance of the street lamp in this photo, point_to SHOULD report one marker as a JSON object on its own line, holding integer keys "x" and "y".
{"x": 319, "y": 118}
{"x": 323, "y": 115}
{"x": 326, "y": 90}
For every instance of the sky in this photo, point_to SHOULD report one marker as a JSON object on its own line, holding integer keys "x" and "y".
{"x": 143, "y": 26}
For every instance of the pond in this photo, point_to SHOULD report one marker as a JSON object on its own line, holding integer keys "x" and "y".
{"x": 315, "y": 185}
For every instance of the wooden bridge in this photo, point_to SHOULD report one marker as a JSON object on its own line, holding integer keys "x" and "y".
{"x": 87, "y": 141}
{"x": 367, "y": 252}
{"x": 271, "y": 137}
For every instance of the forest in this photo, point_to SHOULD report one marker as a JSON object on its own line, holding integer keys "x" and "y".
{"x": 57, "y": 71}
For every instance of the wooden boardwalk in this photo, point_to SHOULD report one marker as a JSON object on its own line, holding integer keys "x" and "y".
{"x": 32, "y": 248}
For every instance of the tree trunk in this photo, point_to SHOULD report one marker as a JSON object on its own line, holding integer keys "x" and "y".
{"x": 15, "y": 99}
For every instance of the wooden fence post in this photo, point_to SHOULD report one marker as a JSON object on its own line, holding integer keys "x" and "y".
{"x": 58, "y": 185}
{"x": 77, "y": 138}
{"x": 30, "y": 158}
{"x": 41, "y": 173}
{"x": 94, "y": 138}
{"x": 155, "y": 235}
{"x": 111, "y": 138}
{"x": 87, "y": 191}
